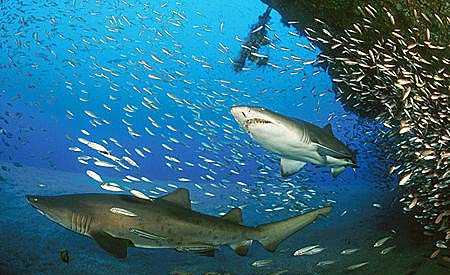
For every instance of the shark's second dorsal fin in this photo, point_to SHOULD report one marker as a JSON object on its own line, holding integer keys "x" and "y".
{"x": 179, "y": 197}
{"x": 234, "y": 215}
{"x": 328, "y": 129}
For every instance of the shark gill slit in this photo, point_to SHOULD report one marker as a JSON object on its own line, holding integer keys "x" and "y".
{"x": 303, "y": 137}
{"x": 77, "y": 223}
{"x": 80, "y": 226}
{"x": 71, "y": 221}
{"x": 88, "y": 225}
{"x": 83, "y": 224}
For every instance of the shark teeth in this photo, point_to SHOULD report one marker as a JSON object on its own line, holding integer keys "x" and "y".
{"x": 254, "y": 121}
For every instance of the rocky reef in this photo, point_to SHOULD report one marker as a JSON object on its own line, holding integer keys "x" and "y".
{"x": 389, "y": 61}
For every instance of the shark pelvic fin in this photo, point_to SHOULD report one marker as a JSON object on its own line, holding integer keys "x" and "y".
{"x": 234, "y": 215}
{"x": 337, "y": 171}
{"x": 115, "y": 246}
{"x": 179, "y": 197}
{"x": 241, "y": 248}
{"x": 328, "y": 129}
{"x": 290, "y": 167}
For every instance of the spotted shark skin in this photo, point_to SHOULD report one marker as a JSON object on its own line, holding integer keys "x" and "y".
{"x": 166, "y": 222}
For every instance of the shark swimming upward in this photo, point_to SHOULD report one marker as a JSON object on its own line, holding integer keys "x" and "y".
{"x": 297, "y": 141}
{"x": 117, "y": 222}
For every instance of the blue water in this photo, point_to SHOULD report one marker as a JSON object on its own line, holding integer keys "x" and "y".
{"x": 68, "y": 57}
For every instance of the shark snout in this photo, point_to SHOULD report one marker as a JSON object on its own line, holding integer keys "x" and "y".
{"x": 239, "y": 113}
{"x": 242, "y": 114}
{"x": 32, "y": 199}
{"x": 38, "y": 202}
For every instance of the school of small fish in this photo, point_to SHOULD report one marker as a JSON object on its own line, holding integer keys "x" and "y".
{"x": 400, "y": 78}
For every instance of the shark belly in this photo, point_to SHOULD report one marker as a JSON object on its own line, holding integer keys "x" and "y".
{"x": 305, "y": 153}
{"x": 309, "y": 153}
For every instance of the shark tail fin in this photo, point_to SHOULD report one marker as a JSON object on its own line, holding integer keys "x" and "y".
{"x": 272, "y": 234}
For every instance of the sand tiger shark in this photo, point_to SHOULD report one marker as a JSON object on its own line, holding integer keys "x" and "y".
{"x": 297, "y": 141}
{"x": 117, "y": 222}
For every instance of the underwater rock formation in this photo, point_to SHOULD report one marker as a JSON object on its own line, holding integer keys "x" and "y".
{"x": 389, "y": 61}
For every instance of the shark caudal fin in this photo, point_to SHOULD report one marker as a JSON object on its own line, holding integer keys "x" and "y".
{"x": 272, "y": 234}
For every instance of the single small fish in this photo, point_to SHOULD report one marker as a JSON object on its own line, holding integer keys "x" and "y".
{"x": 314, "y": 251}
{"x": 405, "y": 179}
{"x": 102, "y": 163}
{"x": 381, "y": 241}
{"x": 130, "y": 161}
{"x": 302, "y": 251}
{"x": 349, "y": 251}
{"x": 139, "y": 194}
{"x": 261, "y": 263}
{"x": 64, "y": 256}
{"x": 74, "y": 149}
{"x": 94, "y": 176}
{"x": 258, "y": 29}
{"x": 111, "y": 187}
{"x": 121, "y": 211}
{"x": 435, "y": 253}
{"x": 356, "y": 266}
{"x": 387, "y": 250}
{"x": 324, "y": 263}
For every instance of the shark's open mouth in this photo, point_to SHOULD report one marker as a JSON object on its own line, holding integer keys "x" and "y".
{"x": 254, "y": 121}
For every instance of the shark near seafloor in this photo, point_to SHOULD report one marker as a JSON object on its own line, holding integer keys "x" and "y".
{"x": 117, "y": 222}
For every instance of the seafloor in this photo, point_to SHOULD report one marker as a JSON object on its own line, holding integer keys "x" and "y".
{"x": 31, "y": 244}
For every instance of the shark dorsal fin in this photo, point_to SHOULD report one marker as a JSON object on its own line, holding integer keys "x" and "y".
{"x": 179, "y": 197}
{"x": 234, "y": 215}
{"x": 328, "y": 129}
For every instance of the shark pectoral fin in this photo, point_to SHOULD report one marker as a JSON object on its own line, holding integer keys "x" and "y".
{"x": 290, "y": 167}
{"x": 179, "y": 197}
{"x": 241, "y": 248}
{"x": 337, "y": 171}
{"x": 115, "y": 246}
{"x": 234, "y": 215}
